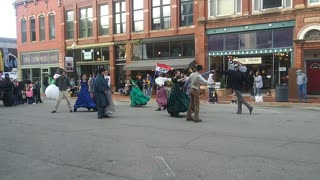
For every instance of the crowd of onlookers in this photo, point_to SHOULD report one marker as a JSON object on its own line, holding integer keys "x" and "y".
{"x": 14, "y": 92}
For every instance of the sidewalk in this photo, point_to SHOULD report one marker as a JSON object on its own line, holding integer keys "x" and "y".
{"x": 268, "y": 100}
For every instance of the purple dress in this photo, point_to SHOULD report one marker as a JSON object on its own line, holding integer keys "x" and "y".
{"x": 162, "y": 97}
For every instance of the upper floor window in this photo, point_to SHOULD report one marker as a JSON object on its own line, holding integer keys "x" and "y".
{"x": 120, "y": 16}
{"x": 52, "y": 27}
{"x": 42, "y": 28}
{"x": 225, "y": 7}
{"x": 69, "y": 25}
{"x": 314, "y": 2}
{"x": 33, "y": 34}
{"x": 104, "y": 20}
{"x": 86, "y": 22}
{"x": 161, "y": 12}
{"x": 186, "y": 12}
{"x": 137, "y": 15}
{"x": 23, "y": 30}
{"x": 259, "y": 5}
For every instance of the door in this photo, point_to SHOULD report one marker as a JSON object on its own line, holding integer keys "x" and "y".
{"x": 313, "y": 74}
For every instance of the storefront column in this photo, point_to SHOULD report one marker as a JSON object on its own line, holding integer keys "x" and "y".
{"x": 200, "y": 34}
{"x": 298, "y": 61}
{"x": 129, "y": 51}
{"x": 112, "y": 69}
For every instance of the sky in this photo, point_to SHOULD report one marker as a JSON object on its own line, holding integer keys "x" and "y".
{"x": 7, "y": 19}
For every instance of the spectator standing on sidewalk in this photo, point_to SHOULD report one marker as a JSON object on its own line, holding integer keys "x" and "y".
{"x": 302, "y": 84}
{"x": 63, "y": 83}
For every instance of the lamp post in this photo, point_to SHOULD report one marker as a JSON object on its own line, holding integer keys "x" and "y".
{"x": 74, "y": 47}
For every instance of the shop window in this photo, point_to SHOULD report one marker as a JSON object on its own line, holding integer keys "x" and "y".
{"x": 52, "y": 27}
{"x": 188, "y": 48}
{"x": 86, "y": 22}
{"x": 105, "y": 54}
{"x": 161, "y": 14}
{"x": 264, "y": 39}
{"x": 186, "y": 12}
{"x": 140, "y": 51}
{"x": 232, "y": 41}
{"x": 23, "y": 30}
{"x": 216, "y": 42}
{"x": 150, "y": 50}
{"x": 120, "y": 52}
{"x": 161, "y": 49}
{"x": 120, "y": 16}
{"x": 259, "y": 5}
{"x": 137, "y": 15}
{"x": 69, "y": 25}
{"x": 175, "y": 49}
{"x": 248, "y": 40}
{"x": 104, "y": 20}
{"x": 312, "y": 2}
{"x": 283, "y": 37}
{"x": 42, "y": 28}
{"x": 26, "y": 75}
{"x": 224, "y": 7}
{"x": 33, "y": 29}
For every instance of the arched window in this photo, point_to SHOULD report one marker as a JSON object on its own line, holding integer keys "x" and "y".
{"x": 52, "y": 26}
{"x": 313, "y": 34}
{"x": 33, "y": 35}
{"x": 23, "y": 30}
{"x": 42, "y": 28}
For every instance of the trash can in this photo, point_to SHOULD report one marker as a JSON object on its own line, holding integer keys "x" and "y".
{"x": 282, "y": 94}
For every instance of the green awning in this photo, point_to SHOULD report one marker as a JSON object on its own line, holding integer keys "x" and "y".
{"x": 151, "y": 64}
{"x": 252, "y": 51}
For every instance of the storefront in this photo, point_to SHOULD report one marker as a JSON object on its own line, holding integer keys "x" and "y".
{"x": 267, "y": 48}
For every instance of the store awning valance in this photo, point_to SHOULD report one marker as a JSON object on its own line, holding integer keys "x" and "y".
{"x": 151, "y": 64}
{"x": 251, "y": 51}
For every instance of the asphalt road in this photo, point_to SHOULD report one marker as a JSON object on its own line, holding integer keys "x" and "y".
{"x": 274, "y": 143}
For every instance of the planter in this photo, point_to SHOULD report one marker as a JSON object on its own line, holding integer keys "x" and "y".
{"x": 223, "y": 92}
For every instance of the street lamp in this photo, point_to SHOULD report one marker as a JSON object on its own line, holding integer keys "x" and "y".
{"x": 74, "y": 47}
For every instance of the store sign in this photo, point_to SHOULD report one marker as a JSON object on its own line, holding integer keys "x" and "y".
{"x": 282, "y": 69}
{"x": 254, "y": 60}
{"x": 69, "y": 64}
{"x": 87, "y": 55}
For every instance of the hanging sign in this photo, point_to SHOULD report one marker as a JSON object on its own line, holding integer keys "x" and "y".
{"x": 69, "y": 64}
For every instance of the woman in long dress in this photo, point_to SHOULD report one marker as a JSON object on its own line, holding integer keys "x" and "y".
{"x": 136, "y": 96}
{"x": 162, "y": 96}
{"x": 84, "y": 99}
{"x": 178, "y": 100}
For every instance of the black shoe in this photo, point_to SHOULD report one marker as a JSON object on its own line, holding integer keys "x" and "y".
{"x": 71, "y": 110}
{"x": 159, "y": 109}
{"x": 198, "y": 120}
{"x": 54, "y": 111}
{"x": 190, "y": 119}
{"x": 250, "y": 110}
{"x": 99, "y": 117}
{"x": 105, "y": 116}
{"x": 75, "y": 109}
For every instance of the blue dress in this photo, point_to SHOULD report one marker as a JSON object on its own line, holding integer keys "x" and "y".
{"x": 84, "y": 99}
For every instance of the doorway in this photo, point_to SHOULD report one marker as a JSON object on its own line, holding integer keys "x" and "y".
{"x": 313, "y": 74}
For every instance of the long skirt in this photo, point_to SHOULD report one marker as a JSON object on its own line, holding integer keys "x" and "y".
{"x": 162, "y": 97}
{"x": 110, "y": 109}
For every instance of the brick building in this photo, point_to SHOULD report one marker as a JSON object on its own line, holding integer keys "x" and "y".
{"x": 130, "y": 36}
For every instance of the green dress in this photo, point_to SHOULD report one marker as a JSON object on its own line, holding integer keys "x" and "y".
{"x": 136, "y": 96}
{"x": 178, "y": 100}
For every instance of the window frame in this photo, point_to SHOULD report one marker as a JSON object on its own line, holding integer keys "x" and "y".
{"x": 122, "y": 22}
{"x": 42, "y": 28}
{"x": 134, "y": 21}
{"x": 23, "y": 30}
{"x": 161, "y": 17}
{"x": 261, "y": 9}
{"x": 85, "y": 28}
{"x": 186, "y": 14}
{"x": 33, "y": 32}
{"x": 52, "y": 26}
{"x": 213, "y": 9}
{"x": 313, "y": 3}
{"x": 69, "y": 25}
{"x": 103, "y": 32}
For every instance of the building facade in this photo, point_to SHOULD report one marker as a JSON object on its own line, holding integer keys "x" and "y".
{"x": 8, "y": 55}
{"x": 129, "y": 36}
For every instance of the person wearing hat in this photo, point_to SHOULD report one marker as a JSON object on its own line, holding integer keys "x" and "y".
{"x": 302, "y": 84}
{"x": 63, "y": 83}
{"x": 100, "y": 91}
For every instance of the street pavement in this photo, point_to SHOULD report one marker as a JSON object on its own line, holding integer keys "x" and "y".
{"x": 277, "y": 142}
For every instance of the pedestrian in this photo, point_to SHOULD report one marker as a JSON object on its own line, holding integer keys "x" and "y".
{"x": 237, "y": 78}
{"x": 63, "y": 83}
{"x": 258, "y": 84}
{"x": 37, "y": 93}
{"x": 195, "y": 80}
{"x": 100, "y": 93}
{"x": 162, "y": 96}
{"x": 302, "y": 85}
{"x": 211, "y": 91}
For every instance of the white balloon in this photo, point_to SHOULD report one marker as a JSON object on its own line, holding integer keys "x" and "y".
{"x": 52, "y": 91}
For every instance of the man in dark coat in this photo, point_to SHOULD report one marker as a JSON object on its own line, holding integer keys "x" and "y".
{"x": 100, "y": 92}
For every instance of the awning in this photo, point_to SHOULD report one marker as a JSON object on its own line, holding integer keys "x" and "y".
{"x": 151, "y": 64}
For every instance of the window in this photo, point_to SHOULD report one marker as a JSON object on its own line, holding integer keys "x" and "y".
{"x": 225, "y": 7}
{"x": 313, "y": 1}
{"x": 259, "y": 5}
{"x": 42, "y": 28}
{"x": 86, "y": 20}
{"x": 104, "y": 20}
{"x": 188, "y": 48}
{"x": 186, "y": 12}
{"x": 52, "y": 27}
{"x": 283, "y": 37}
{"x": 120, "y": 16}
{"x": 69, "y": 25}
{"x": 137, "y": 15}
{"x": 33, "y": 29}
{"x": 232, "y": 41}
{"x": 161, "y": 12}
{"x": 23, "y": 30}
